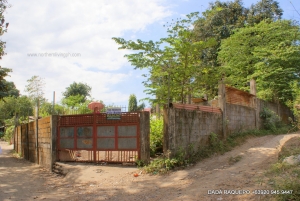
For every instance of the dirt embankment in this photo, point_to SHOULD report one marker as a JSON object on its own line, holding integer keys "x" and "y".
{"x": 239, "y": 169}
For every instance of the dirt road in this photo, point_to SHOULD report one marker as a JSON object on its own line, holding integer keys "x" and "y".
{"x": 21, "y": 180}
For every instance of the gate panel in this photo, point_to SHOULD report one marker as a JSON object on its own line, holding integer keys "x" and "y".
{"x": 95, "y": 138}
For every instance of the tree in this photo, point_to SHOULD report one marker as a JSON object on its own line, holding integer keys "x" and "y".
{"x": 78, "y": 89}
{"x": 4, "y": 87}
{"x": 268, "y": 52}
{"x": 173, "y": 62}
{"x": 12, "y": 105}
{"x": 73, "y": 101}
{"x": 35, "y": 88}
{"x": 12, "y": 90}
{"x": 132, "y": 103}
{"x": 3, "y": 71}
{"x": 219, "y": 22}
{"x": 262, "y": 10}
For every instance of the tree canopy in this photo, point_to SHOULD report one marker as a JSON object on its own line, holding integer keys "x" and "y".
{"x": 268, "y": 52}
{"x": 4, "y": 88}
{"x": 35, "y": 88}
{"x": 185, "y": 63}
{"x": 78, "y": 89}
{"x": 173, "y": 62}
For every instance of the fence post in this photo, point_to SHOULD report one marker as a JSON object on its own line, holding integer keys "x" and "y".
{"x": 255, "y": 102}
{"x": 53, "y": 126}
{"x": 36, "y": 132}
{"x": 145, "y": 136}
{"x": 222, "y": 105}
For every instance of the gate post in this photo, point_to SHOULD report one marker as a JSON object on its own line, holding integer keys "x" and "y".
{"x": 145, "y": 136}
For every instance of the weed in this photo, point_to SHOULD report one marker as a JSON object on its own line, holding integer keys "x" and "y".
{"x": 16, "y": 154}
{"x": 156, "y": 136}
{"x": 285, "y": 177}
{"x": 233, "y": 160}
{"x": 271, "y": 120}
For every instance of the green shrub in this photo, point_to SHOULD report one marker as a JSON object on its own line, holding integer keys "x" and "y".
{"x": 9, "y": 133}
{"x": 271, "y": 120}
{"x": 1, "y": 134}
{"x": 156, "y": 136}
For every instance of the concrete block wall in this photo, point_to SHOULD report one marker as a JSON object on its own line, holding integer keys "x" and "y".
{"x": 44, "y": 142}
{"x": 239, "y": 118}
{"x": 25, "y": 141}
{"x": 188, "y": 129}
{"x": 32, "y": 142}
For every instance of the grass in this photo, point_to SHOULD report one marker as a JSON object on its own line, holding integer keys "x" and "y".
{"x": 283, "y": 176}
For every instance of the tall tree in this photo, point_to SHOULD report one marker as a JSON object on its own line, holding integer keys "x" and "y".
{"x": 268, "y": 52}
{"x": 173, "y": 62}
{"x": 132, "y": 103}
{"x": 35, "y": 88}
{"x": 4, "y": 88}
{"x": 262, "y": 10}
{"x": 12, "y": 90}
{"x": 78, "y": 89}
{"x": 219, "y": 21}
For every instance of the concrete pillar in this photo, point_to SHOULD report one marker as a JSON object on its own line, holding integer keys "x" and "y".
{"x": 254, "y": 102}
{"x": 222, "y": 105}
{"x": 253, "y": 87}
{"x": 145, "y": 137}
{"x": 53, "y": 127}
{"x": 166, "y": 129}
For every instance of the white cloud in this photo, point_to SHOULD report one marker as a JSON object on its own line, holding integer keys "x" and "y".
{"x": 75, "y": 26}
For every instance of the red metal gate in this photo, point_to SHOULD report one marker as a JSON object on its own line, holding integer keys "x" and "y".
{"x": 95, "y": 138}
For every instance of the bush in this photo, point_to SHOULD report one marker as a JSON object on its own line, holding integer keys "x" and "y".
{"x": 156, "y": 136}
{"x": 1, "y": 134}
{"x": 271, "y": 120}
{"x": 9, "y": 133}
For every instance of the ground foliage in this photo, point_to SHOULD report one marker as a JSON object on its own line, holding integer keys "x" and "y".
{"x": 156, "y": 135}
{"x": 284, "y": 176}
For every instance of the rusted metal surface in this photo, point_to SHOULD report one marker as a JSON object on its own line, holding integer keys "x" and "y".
{"x": 94, "y": 138}
{"x": 197, "y": 107}
{"x": 239, "y": 97}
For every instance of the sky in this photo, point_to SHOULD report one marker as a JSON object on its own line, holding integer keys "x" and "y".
{"x": 72, "y": 41}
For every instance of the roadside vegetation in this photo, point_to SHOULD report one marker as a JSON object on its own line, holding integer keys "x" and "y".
{"x": 162, "y": 163}
{"x": 283, "y": 176}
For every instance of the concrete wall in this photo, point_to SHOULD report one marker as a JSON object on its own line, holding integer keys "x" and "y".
{"x": 239, "y": 118}
{"x": 186, "y": 126}
{"x": 189, "y": 129}
{"x": 26, "y": 141}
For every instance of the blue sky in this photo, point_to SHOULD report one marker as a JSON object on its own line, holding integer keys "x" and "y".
{"x": 86, "y": 27}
